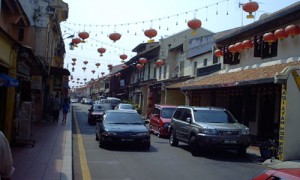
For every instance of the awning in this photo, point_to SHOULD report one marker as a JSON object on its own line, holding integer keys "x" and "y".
{"x": 7, "y": 81}
{"x": 242, "y": 77}
{"x": 59, "y": 71}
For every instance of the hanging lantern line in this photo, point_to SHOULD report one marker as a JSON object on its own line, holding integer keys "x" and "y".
{"x": 151, "y": 20}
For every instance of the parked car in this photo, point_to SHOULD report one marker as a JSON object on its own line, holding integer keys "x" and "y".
{"x": 74, "y": 100}
{"x": 208, "y": 127}
{"x": 112, "y": 101}
{"x": 277, "y": 174}
{"x": 87, "y": 101}
{"x": 160, "y": 119}
{"x": 96, "y": 112}
{"x": 124, "y": 106}
{"x": 122, "y": 127}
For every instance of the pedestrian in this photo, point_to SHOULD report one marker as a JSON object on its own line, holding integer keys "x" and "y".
{"x": 55, "y": 108}
{"x": 65, "y": 109}
{"x": 6, "y": 161}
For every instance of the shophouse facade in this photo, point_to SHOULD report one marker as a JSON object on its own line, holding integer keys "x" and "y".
{"x": 23, "y": 58}
{"x": 258, "y": 84}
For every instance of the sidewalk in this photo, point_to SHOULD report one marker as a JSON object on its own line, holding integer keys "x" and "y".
{"x": 51, "y": 156}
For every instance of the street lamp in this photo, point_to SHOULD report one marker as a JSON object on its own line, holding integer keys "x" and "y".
{"x": 71, "y": 45}
{"x": 70, "y": 36}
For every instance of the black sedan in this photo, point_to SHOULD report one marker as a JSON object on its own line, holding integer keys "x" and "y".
{"x": 96, "y": 112}
{"x": 122, "y": 127}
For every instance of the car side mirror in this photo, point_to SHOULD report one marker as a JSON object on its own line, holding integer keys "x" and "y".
{"x": 188, "y": 119}
{"x": 146, "y": 122}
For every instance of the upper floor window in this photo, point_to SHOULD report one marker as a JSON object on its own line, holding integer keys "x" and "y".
{"x": 154, "y": 73}
{"x": 159, "y": 73}
{"x": 264, "y": 49}
{"x": 195, "y": 68}
{"x": 165, "y": 72}
{"x": 181, "y": 68}
{"x": 204, "y": 62}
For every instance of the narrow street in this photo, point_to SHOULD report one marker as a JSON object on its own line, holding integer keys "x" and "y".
{"x": 161, "y": 162}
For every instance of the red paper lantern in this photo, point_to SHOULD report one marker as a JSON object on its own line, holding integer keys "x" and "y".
{"x": 194, "y": 24}
{"x": 84, "y": 68}
{"x": 84, "y": 79}
{"x": 292, "y": 30}
{"x": 85, "y": 62}
{"x": 150, "y": 33}
{"x": 123, "y": 56}
{"x": 159, "y": 63}
{"x": 83, "y": 36}
{"x": 247, "y": 44}
{"x": 110, "y": 66}
{"x": 250, "y": 7}
{"x": 143, "y": 61}
{"x": 232, "y": 49}
{"x": 76, "y": 41}
{"x": 118, "y": 74}
{"x": 269, "y": 38}
{"x": 218, "y": 53}
{"x": 78, "y": 79}
{"x": 93, "y": 71}
{"x": 139, "y": 66}
{"x": 102, "y": 73}
{"x": 238, "y": 47}
{"x": 73, "y": 63}
{"x": 114, "y": 36}
{"x": 280, "y": 34}
{"x": 97, "y": 64}
{"x": 101, "y": 51}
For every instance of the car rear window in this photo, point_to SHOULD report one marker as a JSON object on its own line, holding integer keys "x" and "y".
{"x": 101, "y": 107}
{"x": 167, "y": 112}
{"x": 126, "y": 106}
{"x": 123, "y": 118}
{"x": 213, "y": 116}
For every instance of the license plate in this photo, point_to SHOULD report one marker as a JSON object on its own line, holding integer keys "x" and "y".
{"x": 230, "y": 142}
{"x": 127, "y": 140}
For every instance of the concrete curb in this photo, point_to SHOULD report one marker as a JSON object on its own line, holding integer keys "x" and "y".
{"x": 67, "y": 173}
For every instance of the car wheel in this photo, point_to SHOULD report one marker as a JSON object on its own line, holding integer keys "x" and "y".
{"x": 193, "y": 146}
{"x": 242, "y": 151}
{"x": 172, "y": 138}
{"x": 102, "y": 144}
{"x": 147, "y": 147}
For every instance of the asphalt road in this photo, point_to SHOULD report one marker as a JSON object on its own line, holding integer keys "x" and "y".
{"x": 161, "y": 162}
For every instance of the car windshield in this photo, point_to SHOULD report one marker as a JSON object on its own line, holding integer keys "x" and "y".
{"x": 123, "y": 118}
{"x": 167, "y": 112}
{"x": 126, "y": 106}
{"x": 102, "y": 107}
{"x": 213, "y": 116}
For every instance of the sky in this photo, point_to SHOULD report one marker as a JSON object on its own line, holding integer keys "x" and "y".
{"x": 131, "y": 17}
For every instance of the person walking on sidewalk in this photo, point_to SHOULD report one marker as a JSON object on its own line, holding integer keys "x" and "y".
{"x": 65, "y": 109}
{"x": 55, "y": 108}
{"x": 6, "y": 161}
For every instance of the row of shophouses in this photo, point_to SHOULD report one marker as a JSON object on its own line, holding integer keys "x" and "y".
{"x": 31, "y": 62}
{"x": 258, "y": 80}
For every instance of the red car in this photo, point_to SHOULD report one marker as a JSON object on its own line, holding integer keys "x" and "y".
{"x": 160, "y": 119}
{"x": 287, "y": 174}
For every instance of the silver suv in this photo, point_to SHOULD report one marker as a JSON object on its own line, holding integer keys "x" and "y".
{"x": 207, "y": 127}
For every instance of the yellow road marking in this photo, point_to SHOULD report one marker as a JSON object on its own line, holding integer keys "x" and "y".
{"x": 83, "y": 162}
